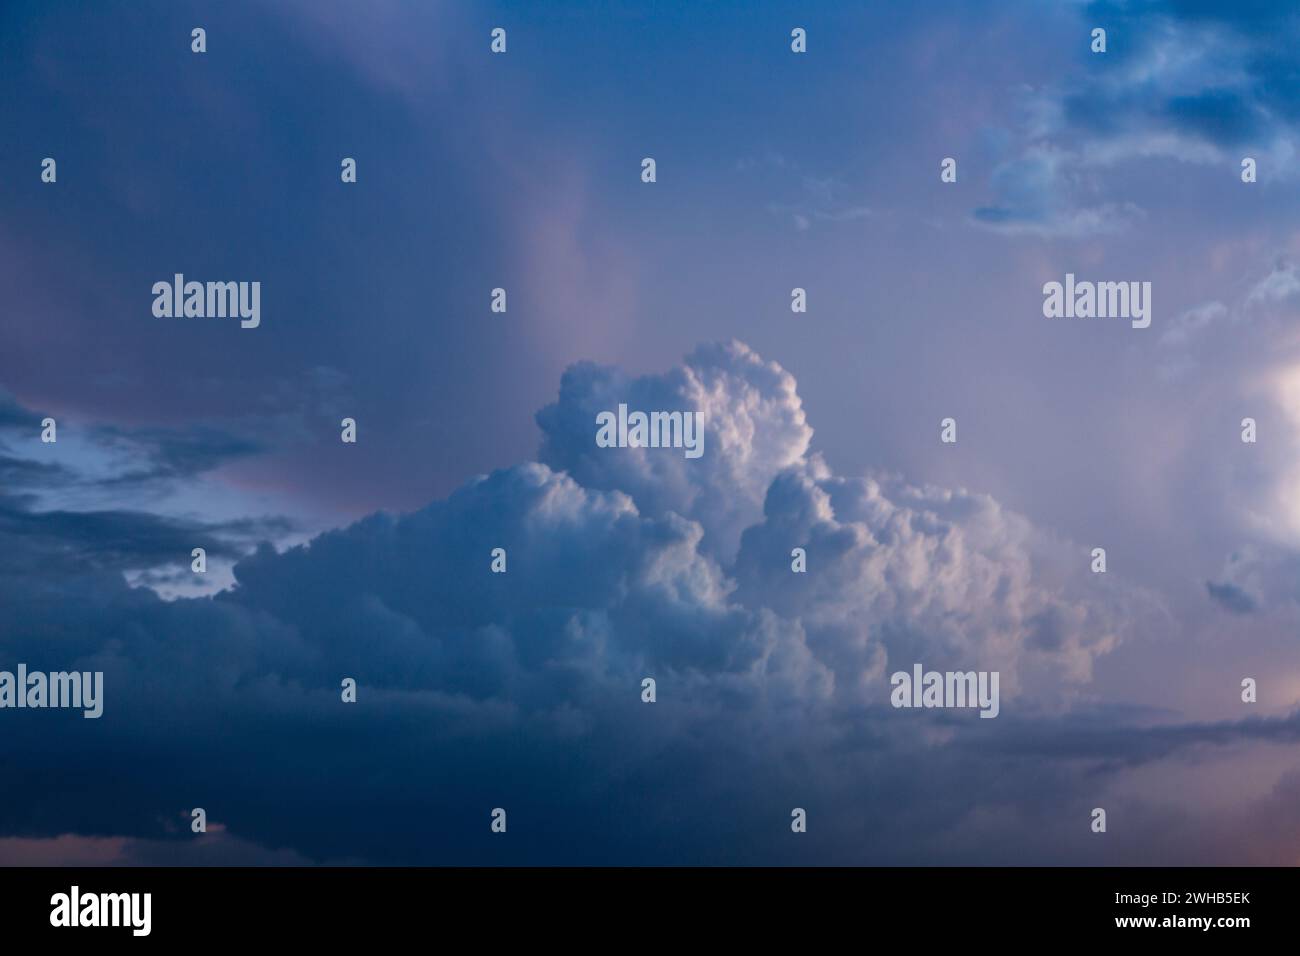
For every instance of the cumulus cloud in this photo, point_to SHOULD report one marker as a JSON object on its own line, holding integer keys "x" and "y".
{"x": 522, "y": 689}
{"x": 928, "y": 571}
{"x": 933, "y": 575}
{"x": 754, "y": 428}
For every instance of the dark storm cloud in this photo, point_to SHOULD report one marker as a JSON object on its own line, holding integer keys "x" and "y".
{"x": 37, "y": 540}
{"x": 172, "y": 454}
{"x": 12, "y": 414}
{"x": 18, "y": 472}
{"x": 148, "y": 455}
{"x": 1231, "y": 76}
{"x": 1231, "y": 597}
{"x": 1257, "y": 578}
{"x": 1183, "y": 81}
{"x": 1106, "y": 743}
{"x": 44, "y": 542}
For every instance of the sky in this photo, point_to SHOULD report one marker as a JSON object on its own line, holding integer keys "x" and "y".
{"x": 775, "y": 170}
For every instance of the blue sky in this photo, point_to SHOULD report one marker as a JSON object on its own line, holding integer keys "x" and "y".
{"x": 775, "y": 170}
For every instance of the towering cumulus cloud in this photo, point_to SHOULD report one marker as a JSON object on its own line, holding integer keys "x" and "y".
{"x": 523, "y": 689}
{"x": 755, "y": 428}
